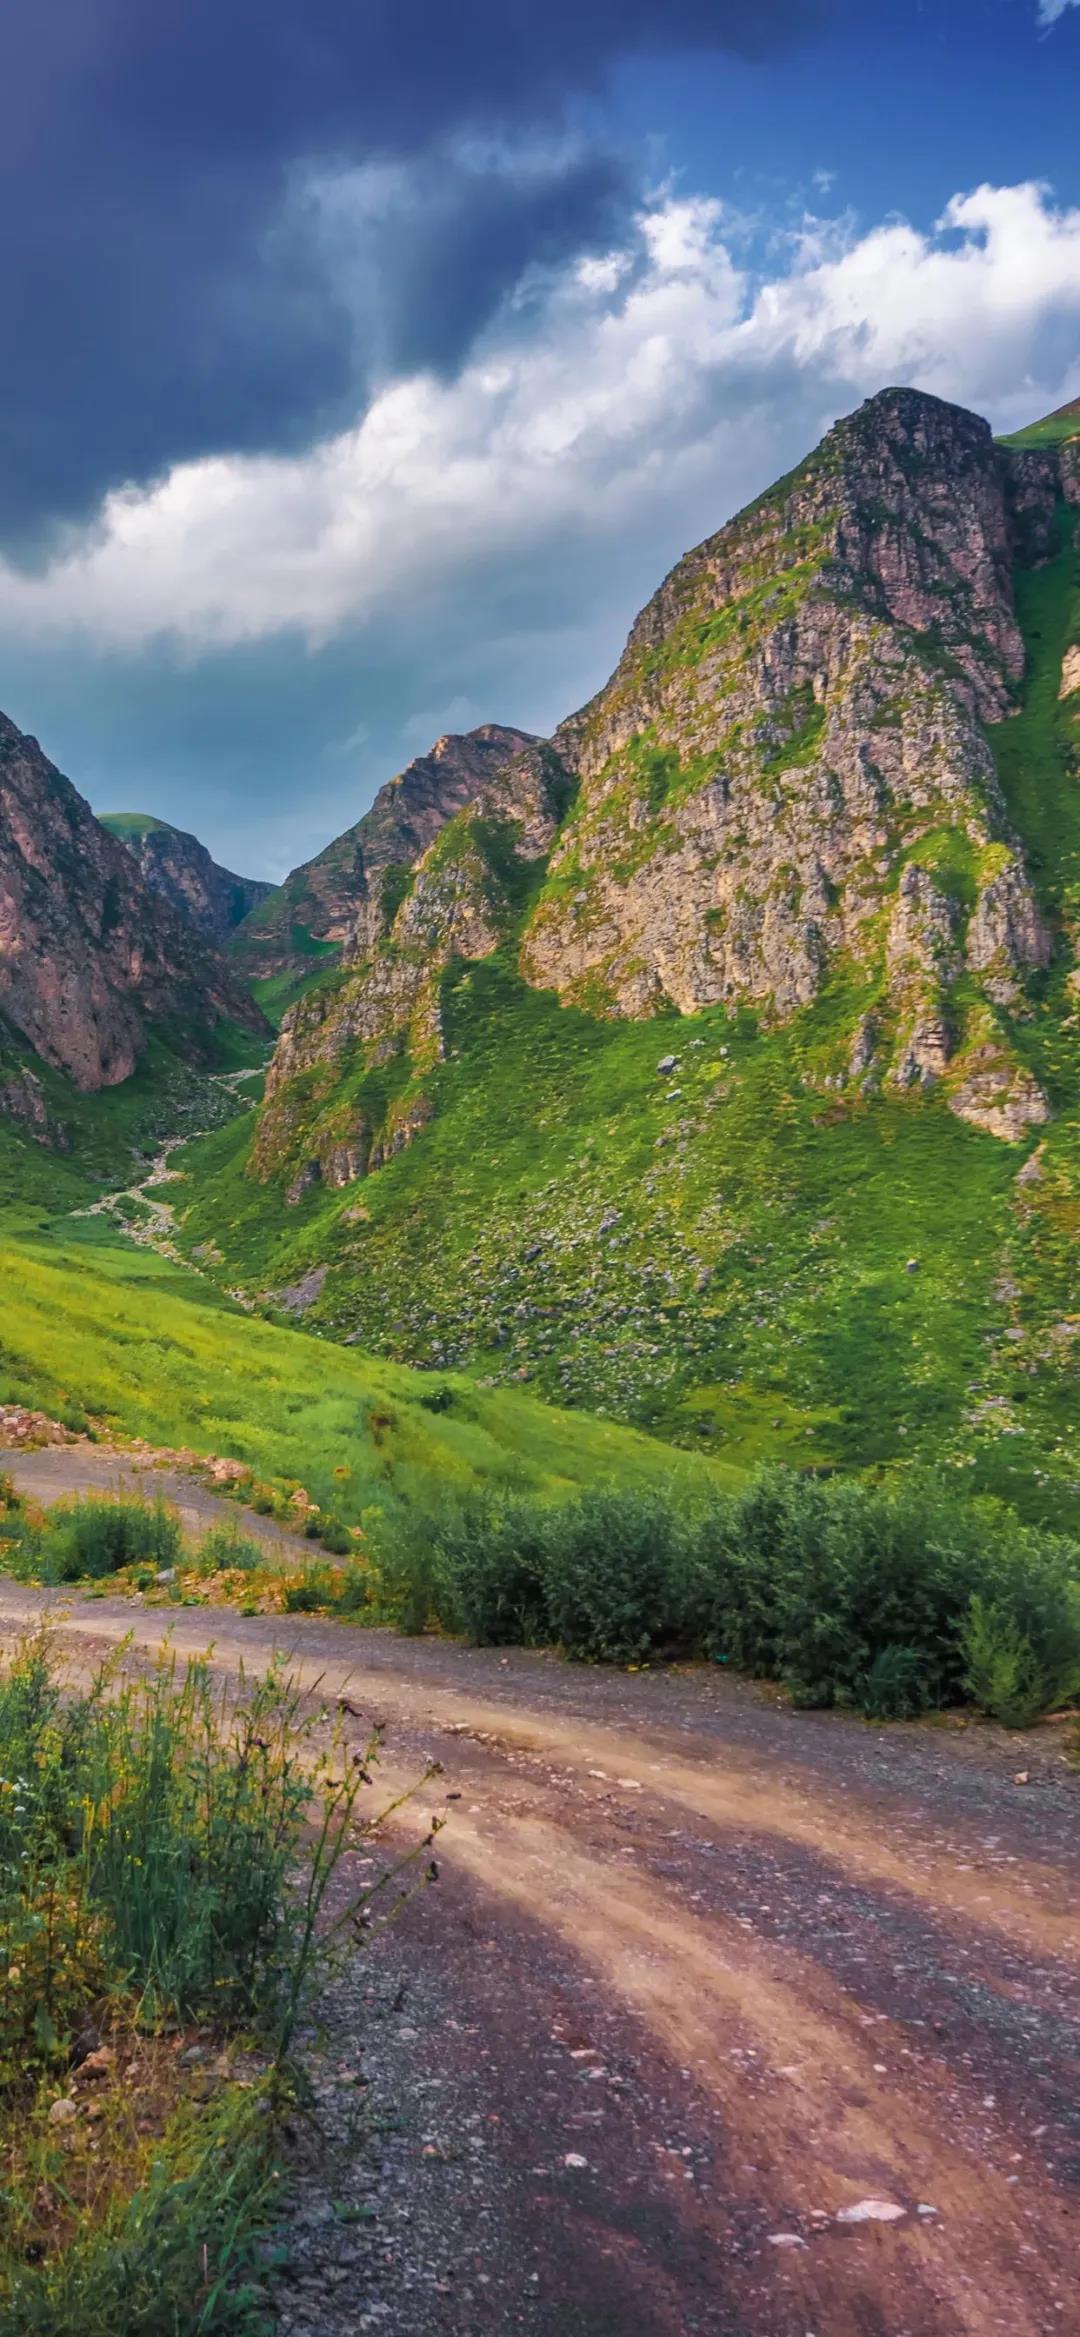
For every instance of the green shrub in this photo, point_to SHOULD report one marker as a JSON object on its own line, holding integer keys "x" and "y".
{"x": 857, "y": 1595}
{"x": 610, "y": 1569}
{"x": 310, "y": 1591}
{"x": 158, "y": 1866}
{"x": 99, "y": 1533}
{"x": 335, "y": 1537}
{"x": 847, "y": 1593}
{"x": 352, "y": 1591}
{"x": 1014, "y": 1677}
{"x": 488, "y": 1559}
{"x": 21, "y": 1541}
{"x": 412, "y": 1582}
{"x": 224, "y": 1546}
{"x": 892, "y": 1688}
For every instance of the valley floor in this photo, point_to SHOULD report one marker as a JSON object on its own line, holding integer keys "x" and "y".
{"x": 702, "y": 1976}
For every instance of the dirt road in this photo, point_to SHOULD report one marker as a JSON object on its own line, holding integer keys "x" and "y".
{"x": 703, "y": 1977}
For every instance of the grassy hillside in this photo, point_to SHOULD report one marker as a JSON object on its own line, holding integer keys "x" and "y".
{"x": 129, "y": 825}
{"x": 737, "y": 1254}
{"x": 1052, "y": 429}
{"x": 95, "y": 1324}
{"x": 275, "y": 993}
{"x": 724, "y": 1255}
{"x": 92, "y": 1325}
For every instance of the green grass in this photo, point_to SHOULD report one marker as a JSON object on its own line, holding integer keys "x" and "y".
{"x": 129, "y": 825}
{"x": 92, "y": 1325}
{"x": 275, "y": 993}
{"x": 1038, "y": 749}
{"x": 1052, "y": 429}
{"x": 753, "y": 1293}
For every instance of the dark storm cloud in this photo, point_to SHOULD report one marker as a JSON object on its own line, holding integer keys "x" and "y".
{"x": 161, "y": 294}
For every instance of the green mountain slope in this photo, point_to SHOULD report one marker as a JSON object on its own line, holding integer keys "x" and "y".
{"x": 1053, "y": 430}
{"x": 740, "y": 1224}
{"x": 312, "y": 913}
{"x": 92, "y": 1325}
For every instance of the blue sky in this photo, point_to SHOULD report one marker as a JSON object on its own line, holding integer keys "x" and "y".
{"x": 368, "y": 366}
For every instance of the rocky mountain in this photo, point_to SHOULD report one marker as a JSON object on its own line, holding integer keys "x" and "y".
{"x": 175, "y": 865}
{"x": 788, "y": 774}
{"x": 457, "y": 896}
{"x": 90, "y": 959}
{"x": 786, "y": 780}
{"x": 718, "y": 1062}
{"x": 317, "y": 908}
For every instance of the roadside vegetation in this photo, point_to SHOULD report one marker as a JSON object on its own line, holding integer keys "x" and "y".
{"x": 165, "y": 1856}
{"x": 888, "y": 1601}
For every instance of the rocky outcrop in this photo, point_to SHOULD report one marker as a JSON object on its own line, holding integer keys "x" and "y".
{"x": 799, "y": 705}
{"x": 1006, "y": 935}
{"x": 89, "y": 958}
{"x": 457, "y": 900}
{"x": 999, "y": 1095}
{"x": 175, "y": 865}
{"x": 347, "y": 895}
{"x": 23, "y": 1100}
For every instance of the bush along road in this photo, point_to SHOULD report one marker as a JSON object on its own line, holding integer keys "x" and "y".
{"x": 725, "y": 2018}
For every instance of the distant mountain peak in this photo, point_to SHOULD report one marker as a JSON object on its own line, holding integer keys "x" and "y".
{"x": 181, "y": 871}
{"x": 89, "y": 958}
{"x": 319, "y": 903}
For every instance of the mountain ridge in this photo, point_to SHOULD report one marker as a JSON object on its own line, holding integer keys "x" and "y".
{"x": 90, "y": 959}
{"x": 314, "y": 912}
{"x": 178, "y": 866}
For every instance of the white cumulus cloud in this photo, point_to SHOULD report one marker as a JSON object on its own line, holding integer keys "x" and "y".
{"x": 636, "y": 399}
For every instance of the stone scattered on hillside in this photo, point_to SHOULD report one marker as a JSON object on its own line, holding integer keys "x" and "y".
{"x": 22, "y": 1429}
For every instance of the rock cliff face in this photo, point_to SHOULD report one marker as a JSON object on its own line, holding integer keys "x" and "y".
{"x": 459, "y": 898}
{"x": 323, "y": 902}
{"x": 787, "y": 775}
{"x": 211, "y": 899}
{"x": 787, "y": 786}
{"x": 88, "y": 956}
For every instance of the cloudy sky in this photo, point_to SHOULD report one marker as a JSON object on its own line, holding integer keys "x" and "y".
{"x": 367, "y": 362}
